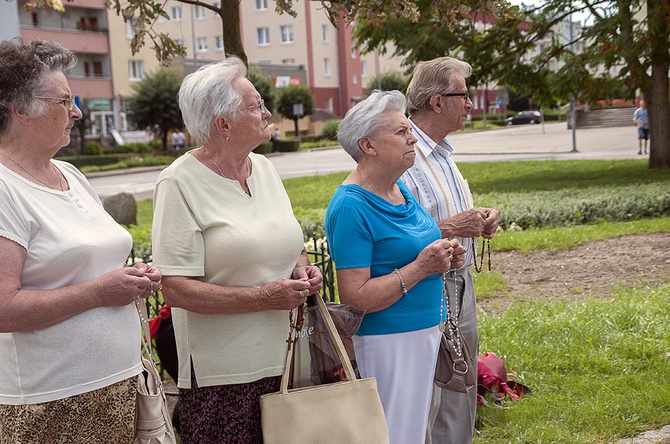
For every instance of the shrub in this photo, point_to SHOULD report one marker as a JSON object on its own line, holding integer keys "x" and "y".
{"x": 91, "y": 147}
{"x": 329, "y": 130}
{"x": 575, "y": 207}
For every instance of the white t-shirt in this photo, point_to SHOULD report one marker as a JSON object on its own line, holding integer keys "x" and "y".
{"x": 207, "y": 227}
{"x": 69, "y": 239}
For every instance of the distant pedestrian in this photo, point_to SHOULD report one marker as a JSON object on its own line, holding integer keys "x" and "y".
{"x": 181, "y": 140}
{"x": 641, "y": 119}
{"x": 275, "y": 141}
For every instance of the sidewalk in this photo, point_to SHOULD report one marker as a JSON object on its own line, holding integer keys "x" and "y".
{"x": 545, "y": 141}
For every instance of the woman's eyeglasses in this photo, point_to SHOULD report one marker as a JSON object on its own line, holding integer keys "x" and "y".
{"x": 68, "y": 101}
{"x": 260, "y": 106}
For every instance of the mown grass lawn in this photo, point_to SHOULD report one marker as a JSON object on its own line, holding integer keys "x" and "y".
{"x": 599, "y": 368}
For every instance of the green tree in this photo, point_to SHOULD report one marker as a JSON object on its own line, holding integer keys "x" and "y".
{"x": 387, "y": 81}
{"x": 625, "y": 49}
{"x": 264, "y": 85}
{"x": 293, "y": 95}
{"x": 155, "y": 102}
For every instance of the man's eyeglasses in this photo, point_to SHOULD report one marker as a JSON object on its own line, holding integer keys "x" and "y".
{"x": 67, "y": 101}
{"x": 260, "y": 106}
{"x": 464, "y": 95}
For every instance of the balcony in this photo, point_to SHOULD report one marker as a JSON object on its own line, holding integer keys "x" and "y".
{"x": 92, "y": 87}
{"x": 76, "y": 41}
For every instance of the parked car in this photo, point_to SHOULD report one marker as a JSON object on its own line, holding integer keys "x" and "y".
{"x": 531, "y": 117}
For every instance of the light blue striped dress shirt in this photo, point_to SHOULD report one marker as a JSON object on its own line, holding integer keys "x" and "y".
{"x": 437, "y": 184}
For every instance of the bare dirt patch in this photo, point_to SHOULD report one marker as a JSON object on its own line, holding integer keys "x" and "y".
{"x": 589, "y": 269}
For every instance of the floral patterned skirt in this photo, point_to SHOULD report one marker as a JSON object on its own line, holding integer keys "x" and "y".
{"x": 106, "y": 415}
{"x": 223, "y": 414}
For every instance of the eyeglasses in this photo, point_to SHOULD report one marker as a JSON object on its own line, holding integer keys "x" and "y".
{"x": 465, "y": 95}
{"x": 260, "y": 106}
{"x": 68, "y": 101}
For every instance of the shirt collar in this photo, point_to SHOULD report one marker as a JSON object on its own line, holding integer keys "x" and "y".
{"x": 427, "y": 145}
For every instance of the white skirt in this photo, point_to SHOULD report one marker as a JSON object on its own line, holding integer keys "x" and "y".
{"x": 404, "y": 365}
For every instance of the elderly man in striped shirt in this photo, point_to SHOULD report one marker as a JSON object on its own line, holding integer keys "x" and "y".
{"x": 438, "y": 102}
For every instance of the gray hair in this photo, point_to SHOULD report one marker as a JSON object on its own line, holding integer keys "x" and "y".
{"x": 433, "y": 77}
{"x": 22, "y": 71}
{"x": 366, "y": 118}
{"x": 208, "y": 93}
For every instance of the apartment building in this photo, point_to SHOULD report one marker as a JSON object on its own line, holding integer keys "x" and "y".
{"x": 306, "y": 49}
{"x": 82, "y": 28}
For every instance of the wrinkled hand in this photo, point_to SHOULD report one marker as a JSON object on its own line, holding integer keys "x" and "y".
{"x": 122, "y": 286}
{"x": 491, "y": 223}
{"x": 285, "y": 294}
{"x": 311, "y": 274}
{"x": 469, "y": 223}
{"x": 458, "y": 260}
{"x": 436, "y": 258}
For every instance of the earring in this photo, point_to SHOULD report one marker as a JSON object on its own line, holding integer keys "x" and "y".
{"x": 227, "y": 139}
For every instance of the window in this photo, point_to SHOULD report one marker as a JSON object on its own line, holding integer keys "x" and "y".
{"x": 329, "y": 104}
{"x": 286, "y": 32}
{"x": 288, "y": 61}
{"x": 326, "y": 66}
{"x": 261, "y": 5}
{"x": 201, "y": 44}
{"x": 354, "y": 79}
{"x": 364, "y": 68}
{"x": 353, "y": 53}
{"x": 217, "y": 5}
{"x": 180, "y": 42}
{"x": 199, "y": 12}
{"x": 218, "y": 41}
{"x": 130, "y": 25}
{"x": 325, "y": 33}
{"x": 263, "y": 36}
{"x": 136, "y": 70}
{"x": 175, "y": 13}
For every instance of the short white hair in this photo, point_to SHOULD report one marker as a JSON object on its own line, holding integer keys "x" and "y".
{"x": 208, "y": 93}
{"x": 366, "y": 118}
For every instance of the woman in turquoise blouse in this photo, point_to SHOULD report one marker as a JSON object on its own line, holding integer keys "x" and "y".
{"x": 389, "y": 257}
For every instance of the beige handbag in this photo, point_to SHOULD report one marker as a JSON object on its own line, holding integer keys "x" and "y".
{"x": 341, "y": 412}
{"x": 152, "y": 418}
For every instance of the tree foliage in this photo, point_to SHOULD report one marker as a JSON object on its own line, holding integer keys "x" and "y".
{"x": 155, "y": 102}
{"x": 264, "y": 85}
{"x": 291, "y": 95}
{"x": 626, "y": 51}
{"x": 147, "y": 12}
{"x": 387, "y": 81}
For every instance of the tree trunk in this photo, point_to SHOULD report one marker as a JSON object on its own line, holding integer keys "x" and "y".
{"x": 230, "y": 20}
{"x": 657, "y": 95}
{"x": 658, "y": 106}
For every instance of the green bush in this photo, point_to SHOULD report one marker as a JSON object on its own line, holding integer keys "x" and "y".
{"x": 289, "y": 145}
{"x": 575, "y": 207}
{"x": 329, "y": 130}
{"x": 95, "y": 160}
{"x": 91, "y": 147}
{"x": 263, "y": 148}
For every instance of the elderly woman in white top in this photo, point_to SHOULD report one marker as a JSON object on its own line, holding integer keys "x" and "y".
{"x": 69, "y": 331}
{"x": 233, "y": 257}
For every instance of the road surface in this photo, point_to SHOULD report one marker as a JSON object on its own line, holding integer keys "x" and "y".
{"x": 524, "y": 142}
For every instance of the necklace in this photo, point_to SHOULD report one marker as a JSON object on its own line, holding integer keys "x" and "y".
{"x": 60, "y": 183}
{"x": 215, "y": 164}
{"x": 486, "y": 243}
{"x": 365, "y": 182}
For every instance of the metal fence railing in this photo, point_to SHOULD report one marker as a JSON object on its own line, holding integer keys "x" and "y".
{"x": 318, "y": 255}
